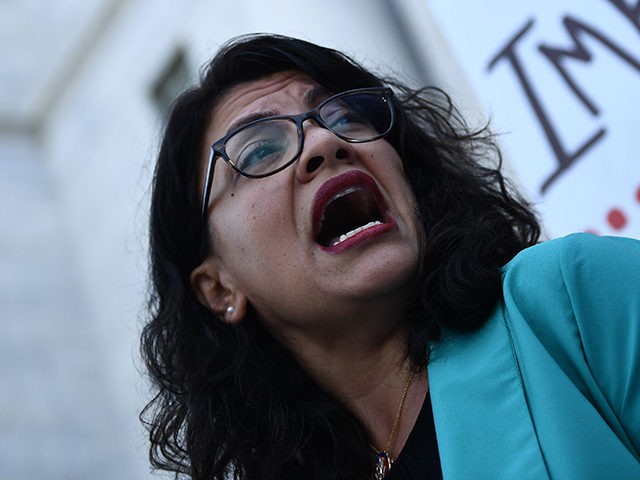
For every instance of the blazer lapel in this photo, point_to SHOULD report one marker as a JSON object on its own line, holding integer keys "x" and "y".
{"x": 483, "y": 424}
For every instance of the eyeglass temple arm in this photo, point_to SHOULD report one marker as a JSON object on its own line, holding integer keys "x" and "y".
{"x": 208, "y": 181}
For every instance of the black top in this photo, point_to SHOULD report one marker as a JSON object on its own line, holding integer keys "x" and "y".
{"x": 419, "y": 458}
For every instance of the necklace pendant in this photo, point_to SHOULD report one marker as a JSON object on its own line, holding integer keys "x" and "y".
{"x": 383, "y": 465}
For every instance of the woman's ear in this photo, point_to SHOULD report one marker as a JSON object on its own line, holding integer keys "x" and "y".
{"x": 216, "y": 293}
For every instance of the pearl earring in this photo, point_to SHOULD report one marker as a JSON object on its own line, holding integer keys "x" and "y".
{"x": 231, "y": 309}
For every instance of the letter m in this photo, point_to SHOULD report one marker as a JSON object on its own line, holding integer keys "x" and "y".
{"x": 578, "y": 51}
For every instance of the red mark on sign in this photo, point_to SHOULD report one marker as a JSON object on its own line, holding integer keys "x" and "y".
{"x": 617, "y": 219}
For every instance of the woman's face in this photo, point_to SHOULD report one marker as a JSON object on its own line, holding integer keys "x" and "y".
{"x": 274, "y": 237}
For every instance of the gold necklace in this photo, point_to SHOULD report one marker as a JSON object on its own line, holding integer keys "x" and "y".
{"x": 384, "y": 460}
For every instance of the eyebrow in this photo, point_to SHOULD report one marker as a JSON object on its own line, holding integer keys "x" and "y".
{"x": 240, "y": 122}
{"x": 311, "y": 99}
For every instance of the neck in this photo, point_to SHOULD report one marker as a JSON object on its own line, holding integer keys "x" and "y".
{"x": 368, "y": 372}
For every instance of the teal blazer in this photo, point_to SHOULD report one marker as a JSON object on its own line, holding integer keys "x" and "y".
{"x": 550, "y": 386}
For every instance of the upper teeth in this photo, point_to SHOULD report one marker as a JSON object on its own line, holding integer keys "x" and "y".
{"x": 346, "y": 191}
{"x": 356, "y": 231}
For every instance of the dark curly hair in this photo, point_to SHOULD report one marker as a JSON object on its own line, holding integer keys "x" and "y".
{"x": 231, "y": 402}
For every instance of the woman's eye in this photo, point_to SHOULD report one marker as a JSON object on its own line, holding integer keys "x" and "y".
{"x": 345, "y": 117}
{"x": 257, "y": 156}
{"x": 348, "y": 123}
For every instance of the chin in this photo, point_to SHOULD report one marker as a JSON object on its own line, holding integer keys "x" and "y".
{"x": 385, "y": 271}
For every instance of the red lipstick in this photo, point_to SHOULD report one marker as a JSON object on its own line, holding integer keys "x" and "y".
{"x": 349, "y": 210}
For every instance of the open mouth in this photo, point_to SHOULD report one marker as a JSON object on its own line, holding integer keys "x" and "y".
{"x": 345, "y": 207}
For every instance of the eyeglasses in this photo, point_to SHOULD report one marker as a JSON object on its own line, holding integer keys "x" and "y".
{"x": 268, "y": 145}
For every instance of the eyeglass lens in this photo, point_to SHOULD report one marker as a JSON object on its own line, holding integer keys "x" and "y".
{"x": 266, "y": 146}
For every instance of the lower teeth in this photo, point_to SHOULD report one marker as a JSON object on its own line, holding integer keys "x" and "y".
{"x": 356, "y": 231}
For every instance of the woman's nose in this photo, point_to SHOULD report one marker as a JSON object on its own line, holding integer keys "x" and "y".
{"x": 321, "y": 148}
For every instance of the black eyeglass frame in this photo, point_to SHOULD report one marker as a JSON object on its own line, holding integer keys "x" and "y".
{"x": 218, "y": 148}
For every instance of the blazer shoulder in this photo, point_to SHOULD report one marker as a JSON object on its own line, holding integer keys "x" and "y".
{"x": 574, "y": 256}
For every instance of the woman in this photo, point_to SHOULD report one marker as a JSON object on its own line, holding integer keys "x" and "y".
{"x": 333, "y": 262}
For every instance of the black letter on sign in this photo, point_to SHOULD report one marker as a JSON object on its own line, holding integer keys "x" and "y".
{"x": 579, "y": 52}
{"x": 564, "y": 158}
{"x": 632, "y": 13}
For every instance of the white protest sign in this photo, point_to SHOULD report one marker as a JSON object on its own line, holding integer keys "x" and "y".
{"x": 561, "y": 83}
